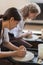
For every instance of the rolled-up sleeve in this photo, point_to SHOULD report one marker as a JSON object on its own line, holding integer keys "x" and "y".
{"x": 6, "y": 36}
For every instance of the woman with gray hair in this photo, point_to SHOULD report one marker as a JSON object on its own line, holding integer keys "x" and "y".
{"x": 30, "y": 11}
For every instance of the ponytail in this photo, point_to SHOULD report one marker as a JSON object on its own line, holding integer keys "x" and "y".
{"x": 1, "y": 16}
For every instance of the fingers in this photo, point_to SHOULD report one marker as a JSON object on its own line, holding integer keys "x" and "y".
{"x": 22, "y": 48}
{"x": 21, "y": 53}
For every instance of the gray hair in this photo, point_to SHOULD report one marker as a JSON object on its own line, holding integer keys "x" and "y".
{"x": 32, "y": 7}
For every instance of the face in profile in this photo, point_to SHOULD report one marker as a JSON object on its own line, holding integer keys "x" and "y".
{"x": 10, "y": 24}
{"x": 32, "y": 15}
{"x": 13, "y": 23}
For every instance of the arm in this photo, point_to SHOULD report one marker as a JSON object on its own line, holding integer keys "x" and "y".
{"x": 21, "y": 36}
{"x": 12, "y": 54}
{"x": 26, "y": 34}
{"x": 10, "y": 46}
{"x": 19, "y": 53}
{"x": 6, "y": 54}
{"x": 7, "y": 43}
{"x": 19, "y": 40}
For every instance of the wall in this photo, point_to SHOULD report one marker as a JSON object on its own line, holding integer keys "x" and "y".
{"x": 4, "y": 4}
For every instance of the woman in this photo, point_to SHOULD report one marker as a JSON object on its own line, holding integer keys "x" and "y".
{"x": 29, "y": 11}
{"x": 17, "y": 51}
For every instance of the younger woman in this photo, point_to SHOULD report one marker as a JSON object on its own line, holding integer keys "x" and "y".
{"x": 17, "y": 51}
{"x": 10, "y": 19}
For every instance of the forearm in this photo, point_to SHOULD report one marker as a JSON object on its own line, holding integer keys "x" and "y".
{"x": 20, "y": 36}
{"x": 23, "y": 35}
{"x": 7, "y": 54}
{"x": 4, "y": 54}
{"x": 10, "y": 46}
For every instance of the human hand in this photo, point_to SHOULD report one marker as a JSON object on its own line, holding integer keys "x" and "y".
{"x": 20, "y": 53}
{"x": 22, "y": 48}
{"x": 29, "y": 34}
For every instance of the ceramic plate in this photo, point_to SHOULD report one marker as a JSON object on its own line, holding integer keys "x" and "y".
{"x": 34, "y": 37}
{"x": 29, "y": 56}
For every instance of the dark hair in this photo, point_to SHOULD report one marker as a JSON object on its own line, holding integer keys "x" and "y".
{"x": 11, "y": 12}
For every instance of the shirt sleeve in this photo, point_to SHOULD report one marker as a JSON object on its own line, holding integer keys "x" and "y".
{"x": 6, "y": 36}
{"x": 17, "y": 31}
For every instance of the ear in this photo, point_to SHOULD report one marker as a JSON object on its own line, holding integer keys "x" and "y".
{"x": 11, "y": 19}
